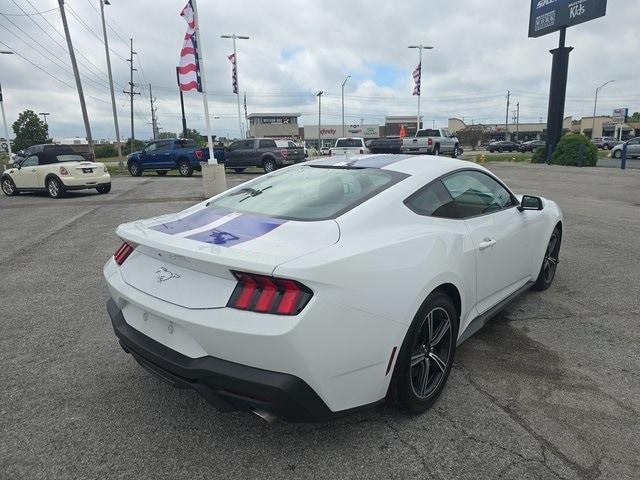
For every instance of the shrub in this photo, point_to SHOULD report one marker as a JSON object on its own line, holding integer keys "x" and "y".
{"x": 567, "y": 152}
{"x": 539, "y": 155}
{"x": 105, "y": 151}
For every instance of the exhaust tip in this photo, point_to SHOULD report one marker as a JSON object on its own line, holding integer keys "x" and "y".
{"x": 266, "y": 416}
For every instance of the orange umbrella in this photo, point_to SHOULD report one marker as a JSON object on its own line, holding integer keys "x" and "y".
{"x": 403, "y": 132}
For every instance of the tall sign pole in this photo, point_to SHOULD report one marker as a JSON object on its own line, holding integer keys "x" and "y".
{"x": 203, "y": 81}
{"x": 4, "y": 122}
{"x": 76, "y": 74}
{"x": 235, "y": 37}
{"x": 319, "y": 95}
{"x": 419, "y": 93}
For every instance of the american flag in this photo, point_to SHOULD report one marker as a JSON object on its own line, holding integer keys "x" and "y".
{"x": 417, "y": 74}
{"x": 234, "y": 74}
{"x": 189, "y": 69}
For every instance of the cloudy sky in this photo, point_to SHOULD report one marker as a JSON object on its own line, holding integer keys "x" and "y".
{"x": 298, "y": 47}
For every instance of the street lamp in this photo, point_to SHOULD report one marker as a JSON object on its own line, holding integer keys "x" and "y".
{"x": 4, "y": 118}
{"x": 319, "y": 95}
{"x": 595, "y": 106}
{"x": 235, "y": 37}
{"x": 343, "y": 84}
{"x": 420, "y": 48}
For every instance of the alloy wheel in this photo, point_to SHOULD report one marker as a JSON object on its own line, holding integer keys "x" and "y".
{"x": 431, "y": 352}
{"x": 7, "y": 187}
{"x": 52, "y": 186}
{"x": 550, "y": 262}
{"x": 184, "y": 169}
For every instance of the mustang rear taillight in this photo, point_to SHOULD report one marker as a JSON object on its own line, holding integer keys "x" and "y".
{"x": 123, "y": 253}
{"x": 264, "y": 294}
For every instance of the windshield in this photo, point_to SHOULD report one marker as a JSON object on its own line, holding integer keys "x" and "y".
{"x": 309, "y": 193}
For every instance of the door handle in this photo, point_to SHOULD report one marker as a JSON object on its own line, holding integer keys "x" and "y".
{"x": 486, "y": 243}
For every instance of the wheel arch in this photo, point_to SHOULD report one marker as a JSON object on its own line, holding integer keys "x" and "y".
{"x": 453, "y": 293}
{"x": 268, "y": 156}
{"x": 51, "y": 175}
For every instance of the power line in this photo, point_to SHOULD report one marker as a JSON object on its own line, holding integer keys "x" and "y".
{"x": 27, "y": 14}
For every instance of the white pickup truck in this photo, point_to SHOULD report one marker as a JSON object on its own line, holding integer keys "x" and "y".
{"x": 433, "y": 141}
{"x": 349, "y": 145}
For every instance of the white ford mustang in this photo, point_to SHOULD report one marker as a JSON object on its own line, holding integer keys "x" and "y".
{"x": 330, "y": 285}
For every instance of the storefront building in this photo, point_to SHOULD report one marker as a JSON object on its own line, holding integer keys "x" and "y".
{"x": 330, "y": 133}
{"x": 274, "y": 125}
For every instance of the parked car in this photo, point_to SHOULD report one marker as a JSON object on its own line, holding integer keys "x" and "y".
{"x": 165, "y": 155}
{"x": 384, "y": 145}
{"x": 262, "y": 152}
{"x": 56, "y": 173}
{"x": 633, "y": 149}
{"x": 606, "y": 143}
{"x": 325, "y": 151}
{"x": 319, "y": 289}
{"x": 531, "y": 145}
{"x": 502, "y": 146}
{"x": 432, "y": 141}
{"x": 344, "y": 146}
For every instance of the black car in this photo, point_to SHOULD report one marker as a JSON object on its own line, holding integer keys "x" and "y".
{"x": 384, "y": 145}
{"x": 531, "y": 145}
{"x": 502, "y": 146}
{"x": 267, "y": 153}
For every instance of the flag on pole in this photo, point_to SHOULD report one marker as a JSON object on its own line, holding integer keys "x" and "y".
{"x": 189, "y": 69}
{"x": 417, "y": 74}
{"x": 234, "y": 74}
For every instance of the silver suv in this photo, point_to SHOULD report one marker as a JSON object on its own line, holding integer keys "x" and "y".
{"x": 633, "y": 149}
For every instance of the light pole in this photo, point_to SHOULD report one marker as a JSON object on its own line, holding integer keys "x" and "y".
{"x": 420, "y": 48}
{"x": 4, "y": 118}
{"x": 319, "y": 95}
{"x": 595, "y": 106}
{"x": 113, "y": 96}
{"x": 233, "y": 36}
{"x": 343, "y": 84}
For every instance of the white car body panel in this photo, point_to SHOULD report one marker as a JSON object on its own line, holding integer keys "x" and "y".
{"x": 370, "y": 270}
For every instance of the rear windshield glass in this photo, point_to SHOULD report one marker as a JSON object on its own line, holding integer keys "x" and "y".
{"x": 349, "y": 142}
{"x": 428, "y": 133}
{"x": 186, "y": 143}
{"x": 70, "y": 158}
{"x": 309, "y": 193}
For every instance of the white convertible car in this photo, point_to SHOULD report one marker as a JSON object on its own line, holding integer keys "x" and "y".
{"x": 330, "y": 285}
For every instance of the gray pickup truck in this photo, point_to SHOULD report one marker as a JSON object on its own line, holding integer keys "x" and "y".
{"x": 432, "y": 141}
{"x": 267, "y": 153}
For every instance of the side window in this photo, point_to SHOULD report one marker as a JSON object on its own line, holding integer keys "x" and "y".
{"x": 163, "y": 146}
{"x": 266, "y": 144}
{"x": 235, "y": 146}
{"x": 476, "y": 193}
{"x": 433, "y": 200}
{"x": 151, "y": 148}
{"x": 248, "y": 145}
{"x": 31, "y": 161}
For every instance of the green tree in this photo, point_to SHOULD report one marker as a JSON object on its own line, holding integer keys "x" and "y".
{"x": 635, "y": 117}
{"x": 197, "y": 137}
{"x": 165, "y": 135}
{"x": 29, "y": 130}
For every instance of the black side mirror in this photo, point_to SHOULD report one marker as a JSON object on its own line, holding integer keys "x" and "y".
{"x": 529, "y": 202}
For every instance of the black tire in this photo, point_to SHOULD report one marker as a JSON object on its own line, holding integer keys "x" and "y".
{"x": 184, "y": 168}
{"x": 499, "y": 150}
{"x": 269, "y": 165}
{"x": 436, "y": 150}
{"x": 549, "y": 262}
{"x": 134, "y": 169}
{"x": 55, "y": 188}
{"x": 410, "y": 390}
{"x": 8, "y": 187}
{"x": 104, "y": 188}
{"x": 454, "y": 154}
{"x": 617, "y": 154}
{"x": 161, "y": 173}
{"x": 238, "y": 170}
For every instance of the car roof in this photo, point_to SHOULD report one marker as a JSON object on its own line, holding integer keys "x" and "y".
{"x": 425, "y": 166}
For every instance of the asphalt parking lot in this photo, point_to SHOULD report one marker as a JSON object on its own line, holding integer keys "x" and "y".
{"x": 548, "y": 389}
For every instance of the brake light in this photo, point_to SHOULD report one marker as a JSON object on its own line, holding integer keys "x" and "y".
{"x": 264, "y": 294}
{"x": 430, "y": 141}
{"x": 284, "y": 153}
{"x": 199, "y": 154}
{"x": 64, "y": 171}
{"x": 123, "y": 253}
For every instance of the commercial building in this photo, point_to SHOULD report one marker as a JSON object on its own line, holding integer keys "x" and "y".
{"x": 330, "y": 133}
{"x": 274, "y": 125}
{"x": 605, "y": 127}
{"x": 393, "y": 124}
{"x": 519, "y": 131}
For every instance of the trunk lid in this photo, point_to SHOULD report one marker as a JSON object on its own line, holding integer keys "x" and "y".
{"x": 84, "y": 169}
{"x": 188, "y": 258}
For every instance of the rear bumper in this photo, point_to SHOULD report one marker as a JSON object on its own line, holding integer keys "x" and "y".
{"x": 224, "y": 384}
{"x": 79, "y": 183}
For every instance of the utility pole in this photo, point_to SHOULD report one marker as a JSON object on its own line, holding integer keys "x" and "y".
{"x": 76, "y": 74}
{"x": 319, "y": 95}
{"x": 518, "y": 121}
{"x": 233, "y": 36}
{"x": 506, "y": 119}
{"x": 154, "y": 120}
{"x": 113, "y": 95}
{"x": 184, "y": 119}
{"x": 343, "y": 84}
{"x": 420, "y": 48}
{"x": 595, "y": 106}
{"x": 44, "y": 117}
{"x": 4, "y": 118}
{"x": 131, "y": 92}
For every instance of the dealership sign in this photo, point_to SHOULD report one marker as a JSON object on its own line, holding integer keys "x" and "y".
{"x": 620, "y": 115}
{"x": 551, "y": 15}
